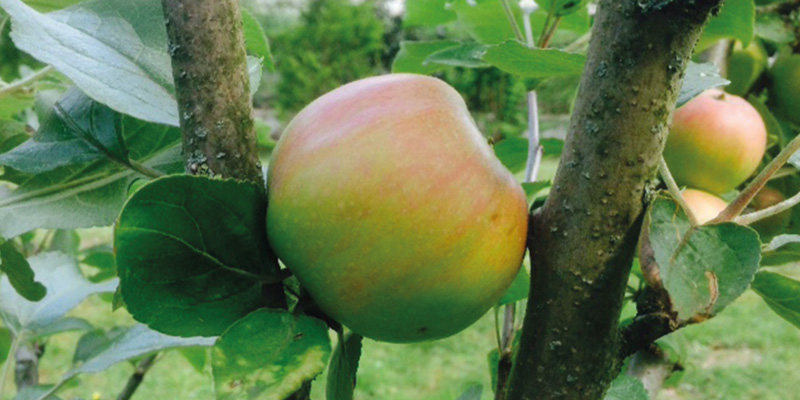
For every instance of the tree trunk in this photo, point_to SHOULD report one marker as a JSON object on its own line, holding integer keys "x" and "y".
{"x": 583, "y": 239}
{"x": 206, "y": 45}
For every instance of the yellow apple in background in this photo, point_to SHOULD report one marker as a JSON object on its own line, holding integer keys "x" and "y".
{"x": 392, "y": 211}
{"x": 705, "y": 206}
{"x": 716, "y": 142}
{"x": 776, "y": 224}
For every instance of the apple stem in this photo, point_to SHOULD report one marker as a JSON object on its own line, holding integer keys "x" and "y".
{"x": 675, "y": 191}
{"x": 756, "y": 216}
{"x": 738, "y": 205}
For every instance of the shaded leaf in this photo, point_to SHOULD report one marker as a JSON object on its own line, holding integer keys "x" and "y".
{"x": 192, "y": 254}
{"x": 772, "y": 28}
{"x": 102, "y": 259}
{"x": 66, "y": 288}
{"x": 736, "y": 20}
{"x": 65, "y": 241}
{"x": 65, "y": 324}
{"x": 473, "y": 393}
{"x": 12, "y": 134}
{"x": 76, "y": 130}
{"x": 783, "y": 249}
{"x": 19, "y": 273}
{"x": 343, "y": 367}
{"x": 626, "y": 388}
{"x": 515, "y": 58}
{"x": 268, "y": 355}
{"x": 702, "y": 268}
{"x": 781, "y": 293}
{"x": 532, "y": 189}
{"x": 114, "y": 50}
{"x": 698, "y": 79}
{"x": 412, "y": 55}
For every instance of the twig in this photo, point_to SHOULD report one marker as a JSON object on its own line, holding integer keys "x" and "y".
{"x": 756, "y": 216}
{"x": 512, "y": 20}
{"x": 675, "y": 191}
{"x": 738, "y": 205}
{"x": 544, "y": 41}
{"x": 136, "y": 378}
{"x": 21, "y": 83}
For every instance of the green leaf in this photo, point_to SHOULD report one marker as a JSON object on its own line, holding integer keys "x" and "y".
{"x": 64, "y": 324}
{"x": 134, "y": 342}
{"x": 466, "y": 55}
{"x": 515, "y": 58}
{"x": 736, "y": 20}
{"x": 13, "y": 104}
{"x": 65, "y": 241}
{"x": 772, "y": 28}
{"x": 698, "y": 79}
{"x": 518, "y": 290}
{"x": 513, "y": 153}
{"x": 66, "y": 288}
{"x": 774, "y": 128}
{"x": 197, "y": 357}
{"x": 427, "y": 13}
{"x": 114, "y": 50}
{"x": 412, "y": 55}
{"x": 343, "y": 367}
{"x": 781, "y": 293}
{"x": 102, "y": 259}
{"x": 79, "y": 196}
{"x": 783, "y": 249}
{"x": 50, "y": 5}
{"x": 19, "y": 273}
{"x": 473, "y": 393}
{"x": 702, "y": 268}
{"x": 486, "y": 20}
{"x": 533, "y": 188}
{"x": 269, "y": 354}
{"x": 192, "y": 254}
{"x": 561, "y": 8}
{"x": 5, "y": 343}
{"x": 255, "y": 40}
{"x": 12, "y": 134}
{"x": 35, "y": 393}
{"x": 552, "y": 147}
{"x": 76, "y": 130}
{"x": 626, "y": 388}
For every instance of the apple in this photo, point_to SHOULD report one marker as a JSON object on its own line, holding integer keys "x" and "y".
{"x": 745, "y": 65}
{"x": 776, "y": 224}
{"x": 705, "y": 206}
{"x": 716, "y": 142}
{"x": 784, "y": 89}
{"x": 390, "y": 208}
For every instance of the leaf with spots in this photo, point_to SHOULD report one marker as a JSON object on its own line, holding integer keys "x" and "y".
{"x": 268, "y": 355}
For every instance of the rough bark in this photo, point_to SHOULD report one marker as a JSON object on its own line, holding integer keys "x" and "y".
{"x": 583, "y": 239}
{"x": 206, "y": 45}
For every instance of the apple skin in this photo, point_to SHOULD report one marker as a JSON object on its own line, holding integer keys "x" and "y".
{"x": 776, "y": 224}
{"x": 785, "y": 87}
{"x": 716, "y": 142}
{"x": 745, "y": 65}
{"x": 705, "y": 206}
{"x": 390, "y": 208}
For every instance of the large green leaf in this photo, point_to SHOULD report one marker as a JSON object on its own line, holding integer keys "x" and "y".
{"x": 66, "y": 288}
{"x": 515, "y": 58}
{"x": 412, "y": 55}
{"x": 485, "y": 20}
{"x": 702, "y": 268}
{"x": 12, "y": 134}
{"x": 781, "y": 293}
{"x": 343, "y": 367}
{"x": 468, "y": 55}
{"x": 76, "y": 130}
{"x": 736, "y": 20}
{"x": 268, "y": 355}
{"x": 84, "y": 195}
{"x": 5, "y": 343}
{"x": 513, "y": 153}
{"x": 783, "y": 249}
{"x": 114, "y": 50}
{"x": 192, "y": 254}
{"x": 427, "y": 13}
{"x": 19, "y": 272}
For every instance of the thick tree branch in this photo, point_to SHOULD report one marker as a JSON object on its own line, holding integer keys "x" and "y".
{"x": 206, "y": 45}
{"x": 586, "y": 233}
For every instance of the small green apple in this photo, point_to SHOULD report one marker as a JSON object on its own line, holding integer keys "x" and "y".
{"x": 716, "y": 142}
{"x": 745, "y": 65}
{"x": 390, "y": 208}
{"x": 784, "y": 88}
{"x": 776, "y": 224}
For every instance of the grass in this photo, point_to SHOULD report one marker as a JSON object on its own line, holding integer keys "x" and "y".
{"x": 747, "y": 352}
